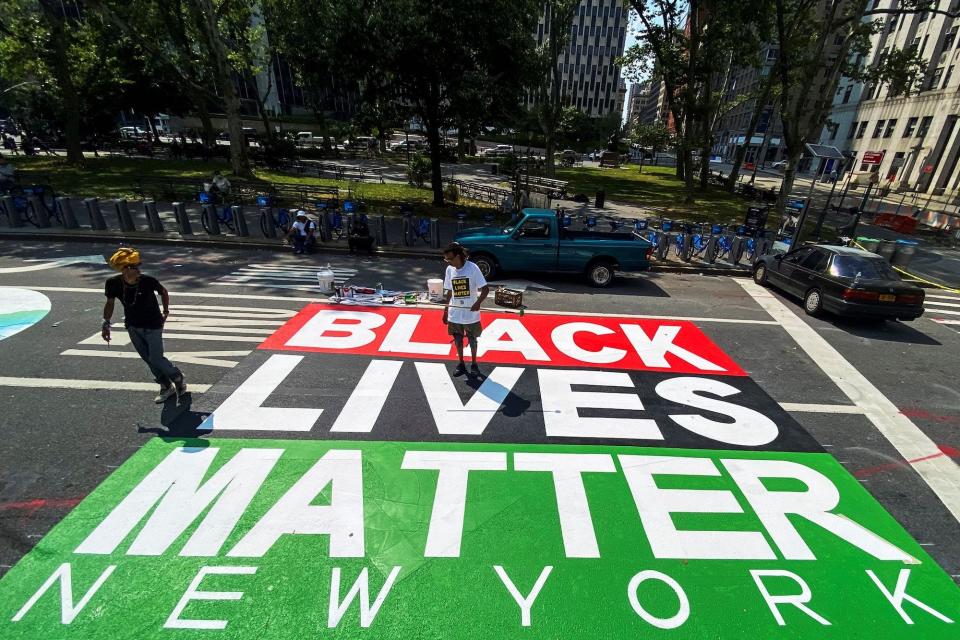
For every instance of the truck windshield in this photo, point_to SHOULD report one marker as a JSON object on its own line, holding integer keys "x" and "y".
{"x": 514, "y": 221}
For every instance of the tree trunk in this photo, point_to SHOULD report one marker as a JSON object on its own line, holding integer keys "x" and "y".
{"x": 151, "y": 122}
{"x": 461, "y": 143}
{"x": 204, "y": 112}
{"x": 70, "y": 104}
{"x": 436, "y": 178}
{"x": 239, "y": 160}
{"x": 751, "y": 129}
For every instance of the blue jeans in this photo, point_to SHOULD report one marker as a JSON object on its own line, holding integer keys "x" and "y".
{"x": 302, "y": 243}
{"x": 149, "y": 344}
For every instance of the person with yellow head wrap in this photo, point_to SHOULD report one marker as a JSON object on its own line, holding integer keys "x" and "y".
{"x": 142, "y": 318}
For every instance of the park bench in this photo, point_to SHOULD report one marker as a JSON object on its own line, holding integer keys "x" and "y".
{"x": 556, "y": 189}
{"x": 479, "y": 191}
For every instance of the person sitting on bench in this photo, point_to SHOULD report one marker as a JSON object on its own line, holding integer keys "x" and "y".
{"x": 303, "y": 233}
{"x": 359, "y": 238}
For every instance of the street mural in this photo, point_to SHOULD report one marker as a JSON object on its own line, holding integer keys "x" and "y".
{"x": 20, "y": 309}
{"x": 606, "y": 477}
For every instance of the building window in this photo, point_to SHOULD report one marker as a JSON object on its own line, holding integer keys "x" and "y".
{"x": 861, "y": 130}
{"x": 846, "y": 94}
{"x": 878, "y": 129}
{"x": 924, "y": 127}
{"x": 949, "y": 39}
{"x": 853, "y": 129}
{"x": 772, "y": 54}
{"x": 911, "y": 125}
{"x": 892, "y": 24}
{"x": 871, "y": 91}
{"x": 833, "y": 130}
{"x": 935, "y": 80}
{"x": 946, "y": 77}
{"x": 891, "y": 126}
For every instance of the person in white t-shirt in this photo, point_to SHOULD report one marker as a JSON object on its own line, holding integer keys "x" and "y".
{"x": 303, "y": 233}
{"x": 465, "y": 289}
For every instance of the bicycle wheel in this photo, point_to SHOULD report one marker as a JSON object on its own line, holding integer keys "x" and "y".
{"x": 264, "y": 225}
{"x": 205, "y": 220}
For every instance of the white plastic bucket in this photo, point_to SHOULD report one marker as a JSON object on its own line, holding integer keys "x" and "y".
{"x": 325, "y": 279}
{"x": 435, "y": 288}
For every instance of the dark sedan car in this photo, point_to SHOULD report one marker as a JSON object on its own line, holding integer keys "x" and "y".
{"x": 841, "y": 280}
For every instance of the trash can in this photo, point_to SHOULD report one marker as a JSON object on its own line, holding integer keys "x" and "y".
{"x": 869, "y": 244}
{"x": 905, "y": 250}
{"x": 494, "y": 168}
{"x": 886, "y": 249}
{"x": 600, "y": 200}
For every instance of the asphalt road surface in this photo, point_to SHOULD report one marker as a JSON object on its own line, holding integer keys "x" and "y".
{"x": 81, "y": 430}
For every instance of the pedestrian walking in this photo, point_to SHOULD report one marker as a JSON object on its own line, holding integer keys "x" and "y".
{"x": 465, "y": 289}
{"x": 142, "y": 318}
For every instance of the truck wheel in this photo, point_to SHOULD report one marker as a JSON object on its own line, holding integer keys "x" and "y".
{"x": 486, "y": 265}
{"x": 600, "y": 273}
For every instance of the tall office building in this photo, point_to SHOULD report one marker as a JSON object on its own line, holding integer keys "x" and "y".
{"x": 916, "y": 135}
{"x": 590, "y": 78}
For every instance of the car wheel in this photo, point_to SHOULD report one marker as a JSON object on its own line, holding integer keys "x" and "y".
{"x": 760, "y": 274}
{"x": 813, "y": 302}
{"x": 600, "y": 273}
{"x": 486, "y": 265}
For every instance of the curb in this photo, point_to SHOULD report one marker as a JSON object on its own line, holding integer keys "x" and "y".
{"x": 232, "y": 242}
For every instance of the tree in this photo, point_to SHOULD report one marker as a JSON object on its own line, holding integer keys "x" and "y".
{"x": 547, "y": 76}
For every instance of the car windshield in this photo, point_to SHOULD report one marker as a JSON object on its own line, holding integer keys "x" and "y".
{"x": 513, "y": 223}
{"x": 865, "y": 268}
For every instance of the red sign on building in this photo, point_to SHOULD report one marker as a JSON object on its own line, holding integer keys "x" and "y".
{"x": 872, "y": 157}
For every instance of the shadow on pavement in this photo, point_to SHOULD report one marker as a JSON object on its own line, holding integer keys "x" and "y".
{"x": 889, "y": 331}
{"x": 178, "y": 420}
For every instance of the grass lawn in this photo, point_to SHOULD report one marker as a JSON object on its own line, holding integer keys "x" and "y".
{"x": 116, "y": 177}
{"x": 656, "y": 190}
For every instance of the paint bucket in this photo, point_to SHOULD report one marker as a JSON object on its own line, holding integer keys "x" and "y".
{"x": 435, "y": 288}
{"x": 325, "y": 279}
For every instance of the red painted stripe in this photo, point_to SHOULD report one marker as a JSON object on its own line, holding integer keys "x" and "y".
{"x": 950, "y": 452}
{"x": 40, "y": 503}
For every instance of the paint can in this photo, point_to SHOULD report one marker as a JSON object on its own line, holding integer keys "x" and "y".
{"x": 435, "y": 288}
{"x": 325, "y": 279}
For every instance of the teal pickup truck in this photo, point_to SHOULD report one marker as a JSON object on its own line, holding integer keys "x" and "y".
{"x": 535, "y": 241}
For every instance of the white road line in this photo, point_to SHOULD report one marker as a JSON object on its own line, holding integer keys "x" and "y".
{"x": 940, "y": 472}
{"x": 258, "y": 310}
{"x": 944, "y": 311}
{"x": 941, "y": 321}
{"x": 801, "y": 407}
{"x": 941, "y": 297}
{"x": 206, "y": 358}
{"x": 210, "y": 337}
{"x": 267, "y": 285}
{"x": 181, "y": 294}
{"x": 105, "y": 385}
{"x": 941, "y": 304}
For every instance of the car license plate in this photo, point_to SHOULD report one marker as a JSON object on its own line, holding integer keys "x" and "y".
{"x": 887, "y": 297}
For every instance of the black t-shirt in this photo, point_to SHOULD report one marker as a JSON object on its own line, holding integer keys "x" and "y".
{"x": 140, "y": 306}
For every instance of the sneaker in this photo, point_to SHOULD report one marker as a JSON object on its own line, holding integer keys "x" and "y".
{"x": 165, "y": 392}
{"x": 474, "y": 369}
{"x": 460, "y": 370}
{"x": 181, "y": 386}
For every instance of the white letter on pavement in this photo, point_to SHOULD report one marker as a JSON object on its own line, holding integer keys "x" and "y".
{"x": 749, "y": 428}
{"x": 576, "y": 524}
{"x": 449, "y": 503}
{"x": 67, "y": 611}
{"x": 655, "y": 506}
{"x": 294, "y": 513}
{"x": 814, "y": 504}
{"x": 662, "y": 623}
{"x": 399, "y": 338}
{"x": 364, "y": 405}
{"x": 361, "y": 587}
{"x": 192, "y": 593}
{"x": 242, "y": 410}
{"x": 560, "y": 406}
{"x": 177, "y": 483}
{"x": 520, "y": 340}
{"x": 451, "y": 416}
{"x": 653, "y": 351}
{"x": 525, "y": 602}
{"x": 564, "y": 339}
{"x": 900, "y": 594}
{"x": 798, "y": 600}
{"x": 359, "y": 327}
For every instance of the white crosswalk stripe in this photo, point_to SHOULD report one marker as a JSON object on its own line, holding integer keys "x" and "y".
{"x": 281, "y": 276}
{"x": 943, "y": 308}
{"x": 229, "y": 325}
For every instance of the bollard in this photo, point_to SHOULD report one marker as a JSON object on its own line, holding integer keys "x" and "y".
{"x": 92, "y": 205}
{"x": 209, "y": 220}
{"x": 13, "y": 215}
{"x": 711, "y": 250}
{"x": 183, "y": 221}
{"x": 267, "y": 225}
{"x": 154, "y": 223}
{"x": 65, "y": 207}
{"x": 381, "y": 231}
{"x": 240, "y": 220}
{"x": 736, "y": 251}
{"x": 123, "y": 215}
{"x": 41, "y": 215}
{"x": 407, "y": 231}
{"x": 434, "y": 233}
